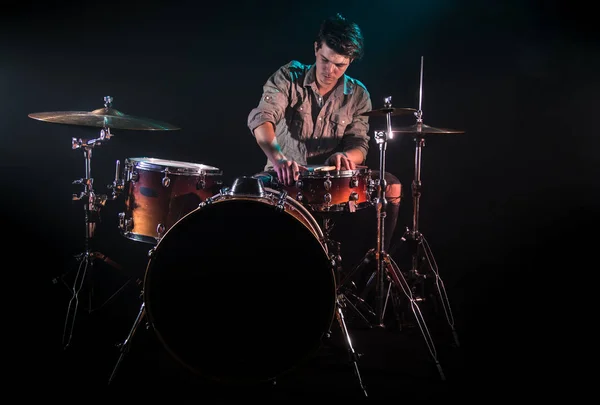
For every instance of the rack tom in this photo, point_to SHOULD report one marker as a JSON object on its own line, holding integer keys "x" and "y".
{"x": 160, "y": 192}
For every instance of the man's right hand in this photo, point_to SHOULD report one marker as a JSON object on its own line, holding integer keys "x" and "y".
{"x": 288, "y": 171}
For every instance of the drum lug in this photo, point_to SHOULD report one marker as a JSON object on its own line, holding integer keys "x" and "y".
{"x": 371, "y": 187}
{"x": 353, "y": 196}
{"x": 299, "y": 184}
{"x": 201, "y": 184}
{"x": 160, "y": 230}
{"x": 281, "y": 202}
{"x": 134, "y": 176}
{"x": 327, "y": 198}
{"x": 327, "y": 184}
{"x": 299, "y": 197}
{"x": 166, "y": 181}
{"x": 152, "y": 252}
{"x": 353, "y": 182}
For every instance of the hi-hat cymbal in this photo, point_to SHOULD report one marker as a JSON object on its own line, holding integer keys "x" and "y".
{"x": 103, "y": 118}
{"x": 424, "y": 129}
{"x": 382, "y": 112}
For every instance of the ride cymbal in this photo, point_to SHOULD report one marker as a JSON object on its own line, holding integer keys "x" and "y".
{"x": 103, "y": 118}
{"x": 382, "y": 112}
{"x": 424, "y": 129}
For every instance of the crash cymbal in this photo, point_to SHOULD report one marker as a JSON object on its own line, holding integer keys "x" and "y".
{"x": 382, "y": 112}
{"x": 102, "y": 117}
{"x": 424, "y": 129}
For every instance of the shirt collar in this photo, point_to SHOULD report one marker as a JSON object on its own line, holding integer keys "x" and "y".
{"x": 346, "y": 88}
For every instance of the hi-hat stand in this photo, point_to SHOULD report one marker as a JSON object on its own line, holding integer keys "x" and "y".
{"x": 387, "y": 274}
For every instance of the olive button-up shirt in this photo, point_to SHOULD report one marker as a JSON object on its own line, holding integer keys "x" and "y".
{"x": 307, "y": 128}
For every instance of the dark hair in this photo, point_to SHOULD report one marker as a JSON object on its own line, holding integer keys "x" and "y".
{"x": 341, "y": 35}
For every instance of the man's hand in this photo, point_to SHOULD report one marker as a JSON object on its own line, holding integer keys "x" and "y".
{"x": 340, "y": 161}
{"x": 288, "y": 171}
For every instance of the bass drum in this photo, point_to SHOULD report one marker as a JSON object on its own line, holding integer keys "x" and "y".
{"x": 241, "y": 289}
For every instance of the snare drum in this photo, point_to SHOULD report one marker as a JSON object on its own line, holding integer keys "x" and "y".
{"x": 324, "y": 189}
{"x": 160, "y": 192}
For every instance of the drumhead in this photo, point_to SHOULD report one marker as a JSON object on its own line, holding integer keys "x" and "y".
{"x": 240, "y": 291}
{"x": 174, "y": 166}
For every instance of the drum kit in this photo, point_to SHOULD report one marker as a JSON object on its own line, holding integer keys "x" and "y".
{"x": 186, "y": 214}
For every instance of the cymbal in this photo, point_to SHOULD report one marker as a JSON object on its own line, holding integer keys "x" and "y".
{"x": 382, "y": 112}
{"x": 102, "y": 117}
{"x": 425, "y": 129}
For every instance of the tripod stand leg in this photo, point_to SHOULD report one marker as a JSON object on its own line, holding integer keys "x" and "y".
{"x": 357, "y": 269}
{"x": 400, "y": 282}
{"x": 353, "y": 356}
{"x": 124, "y": 347}
{"x": 73, "y": 306}
{"x": 440, "y": 288}
{"x": 345, "y": 302}
{"x": 84, "y": 277}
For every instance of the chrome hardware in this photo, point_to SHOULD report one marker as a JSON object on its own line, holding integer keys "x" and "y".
{"x": 160, "y": 230}
{"x": 152, "y": 252}
{"x": 125, "y": 225}
{"x": 281, "y": 202}
{"x": 201, "y": 184}
{"x": 166, "y": 181}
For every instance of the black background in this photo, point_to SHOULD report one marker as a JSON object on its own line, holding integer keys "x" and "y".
{"x": 509, "y": 207}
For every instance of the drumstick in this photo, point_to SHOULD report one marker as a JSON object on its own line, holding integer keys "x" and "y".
{"x": 325, "y": 168}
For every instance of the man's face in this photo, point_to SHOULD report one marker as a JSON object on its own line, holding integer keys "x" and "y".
{"x": 330, "y": 65}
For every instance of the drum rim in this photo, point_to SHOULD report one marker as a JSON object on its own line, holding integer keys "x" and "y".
{"x": 317, "y": 174}
{"x": 159, "y": 165}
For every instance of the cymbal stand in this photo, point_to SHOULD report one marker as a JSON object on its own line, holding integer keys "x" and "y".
{"x": 92, "y": 203}
{"x": 420, "y": 247}
{"x": 387, "y": 274}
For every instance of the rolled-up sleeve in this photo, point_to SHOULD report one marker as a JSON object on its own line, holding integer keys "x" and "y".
{"x": 273, "y": 102}
{"x": 356, "y": 133}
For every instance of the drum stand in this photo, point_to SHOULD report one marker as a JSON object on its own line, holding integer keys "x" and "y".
{"x": 342, "y": 296}
{"x": 387, "y": 271}
{"x": 419, "y": 246}
{"x": 91, "y": 204}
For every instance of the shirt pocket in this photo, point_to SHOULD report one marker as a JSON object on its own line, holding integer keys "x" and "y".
{"x": 299, "y": 123}
{"x": 338, "y": 123}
